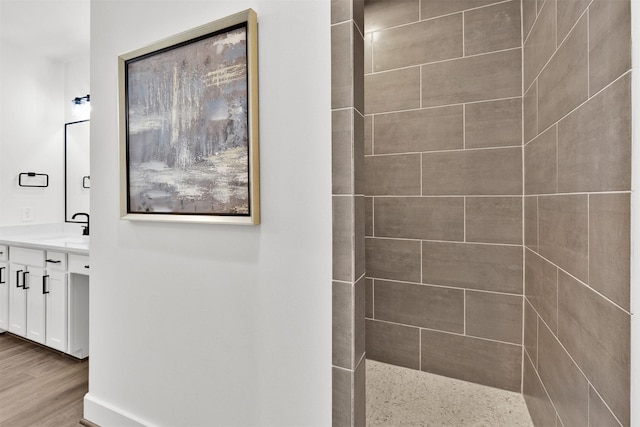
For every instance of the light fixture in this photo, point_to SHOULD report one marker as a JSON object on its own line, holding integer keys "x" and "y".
{"x": 81, "y": 105}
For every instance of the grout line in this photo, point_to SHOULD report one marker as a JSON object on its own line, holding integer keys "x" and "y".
{"x": 373, "y": 298}
{"x": 464, "y": 126}
{"x": 406, "y": 239}
{"x": 373, "y": 217}
{"x": 588, "y": 239}
{"x": 453, "y": 150}
{"x": 464, "y": 312}
{"x": 464, "y": 219}
{"x": 557, "y": 156}
{"x": 463, "y": 43}
{"x": 588, "y": 55}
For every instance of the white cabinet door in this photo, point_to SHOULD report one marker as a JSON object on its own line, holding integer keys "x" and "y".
{"x": 17, "y": 301}
{"x": 4, "y": 296}
{"x": 33, "y": 284}
{"x": 55, "y": 288}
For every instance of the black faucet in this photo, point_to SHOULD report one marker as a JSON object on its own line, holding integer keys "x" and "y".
{"x": 85, "y": 229}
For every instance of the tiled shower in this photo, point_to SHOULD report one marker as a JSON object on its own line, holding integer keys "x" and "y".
{"x": 496, "y": 197}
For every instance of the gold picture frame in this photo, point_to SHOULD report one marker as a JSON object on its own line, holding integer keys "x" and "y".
{"x": 188, "y": 118}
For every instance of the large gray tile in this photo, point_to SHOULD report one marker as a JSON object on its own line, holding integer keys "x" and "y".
{"x": 341, "y": 407}
{"x": 358, "y": 69}
{"x": 597, "y": 335}
{"x": 430, "y": 218}
{"x": 495, "y": 171}
{"x": 381, "y": 14}
{"x": 567, "y": 387}
{"x": 563, "y": 231}
{"x": 369, "y": 298}
{"x": 342, "y": 55}
{"x": 540, "y": 408}
{"x": 420, "y": 305}
{"x": 368, "y": 135}
{"x": 568, "y": 13}
{"x": 541, "y": 288}
{"x": 472, "y": 359}
{"x": 564, "y": 84}
{"x": 393, "y": 259}
{"x": 540, "y": 164}
{"x": 471, "y": 79}
{"x": 419, "y": 130}
{"x": 358, "y": 243}
{"x": 529, "y": 14}
{"x": 492, "y": 28}
{"x": 368, "y": 53}
{"x": 609, "y": 42}
{"x": 610, "y": 246}
{"x": 359, "y": 308}
{"x": 360, "y": 395}
{"x": 340, "y": 10}
{"x": 473, "y": 266}
{"x": 493, "y": 123}
{"x": 530, "y": 339}
{"x": 358, "y": 14}
{"x": 397, "y": 175}
{"x": 342, "y": 151}
{"x": 494, "y": 220}
{"x": 343, "y": 325}
{"x": 343, "y": 236}
{"x": 358, "y": 153}
{"x": 594, "y": 142}
{"x": 368, "y": 216}
{"x": 395, "y": 344}
{"x": 541, "y": 43}
{"x": 530, "y": 113}
{"x": 392, "y": 90}
{"x": 419, "y": 43}
{"x": 599, "y": 414}
{"x": 531, "y": 223}
{"x": 433, "y": 8}
{"x": 494, "y": 316}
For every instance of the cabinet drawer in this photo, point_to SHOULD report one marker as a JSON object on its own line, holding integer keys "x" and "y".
{"x": 4, "y": 253}
{"x": 79, "y": 264}
{"x": 56, "y": 261}
{"x": 34, "y": 257}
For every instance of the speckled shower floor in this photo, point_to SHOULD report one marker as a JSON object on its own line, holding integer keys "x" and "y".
{"x": 399, "y": 397}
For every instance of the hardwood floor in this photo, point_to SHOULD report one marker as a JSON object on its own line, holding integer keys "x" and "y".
{"x": 39, "y": 387}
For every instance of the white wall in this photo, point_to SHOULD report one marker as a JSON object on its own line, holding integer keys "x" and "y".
{"x": 32, "y": 133}
{"x": 76, "y": 84}
{"x": 196, "y": 325}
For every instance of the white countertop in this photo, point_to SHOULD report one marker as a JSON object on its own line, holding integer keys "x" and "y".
{"x": 63, "y": 237}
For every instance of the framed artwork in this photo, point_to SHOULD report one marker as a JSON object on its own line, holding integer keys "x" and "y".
{"x": 188, "y": 108}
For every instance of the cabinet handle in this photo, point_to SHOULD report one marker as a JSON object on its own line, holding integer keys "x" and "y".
{"x": 18, "y": 279}
{"x": 86, "y": 266}
{"x": 45, "y": 288}
{"x": 24, "y": 280}
{"x": 2, "y": 282}
{"x": 54, "y": 261}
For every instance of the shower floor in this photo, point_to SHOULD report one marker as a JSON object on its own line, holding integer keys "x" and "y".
{"x": 404, "y": 397}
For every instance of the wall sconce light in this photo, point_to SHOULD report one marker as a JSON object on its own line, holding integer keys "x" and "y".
{"x": 81, "y": 106}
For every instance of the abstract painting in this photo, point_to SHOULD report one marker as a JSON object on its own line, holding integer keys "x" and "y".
{"x": 190, "y": 125}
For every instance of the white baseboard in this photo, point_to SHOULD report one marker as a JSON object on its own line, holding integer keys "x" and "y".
{"x": 107, "y": 415}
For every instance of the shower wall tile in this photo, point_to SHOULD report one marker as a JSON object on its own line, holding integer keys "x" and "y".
{"x": 419, "y": 43}
{"x": 472, "y": 359}
{"x": 585, "y": 163}
{"x": 529, "y": 14}
{"x": 368, "y": 216}
{"x": 564, "y": 382}
{"x": 431, "y": 218}
{"x": 530, "y": 339}
{"x": 540, "y": 407}
{"x": 340, "y": 10}
{"x": 609, "y": 42}
{"x": 359, "y": 308}
{"x": 392, "y": 175}
{"x": 473, "y": 266}
{"x": 342, "y": 54}
{"x": 360, "y": 395}
{"x": 590, "y": 327}
{"x": 358, "y": 14}
{"x": 541, "y": 43}
{"x": 359, "y": 243}
{"x": 368, "y": 54}
{"x": 343, "y": 238}
{"x": 343, "y": 301}
{"x": 381, "y": 14}
{"x": 341, "y": 380}
{"x": 392, "y": 90}
{"x": 599, "y": 414}
{"x": 419, "y": 130}
{"x": 369, "y": 298}
{"x": 493, "y": 316}
{"x": 494, "y": 220}
{"x": 568, "y": 13}
{"x": 476, "y": 78}
{"x": 563, "y": 228}
{"x": 564, "y": 84}
{"x": 473, "y": 172}
{"x": 493, "y": 123}
{"x": 541, "y": 288}
{"x": 492, "y": 28}
{"x": 393, "y": 259}
{"x": 342, "y": 151}
{"x": 531, "y": 223}
{"x": 444, "y": 7}
{"x": 610, "y": 246}
{"x": 530, "y": 112}
{"x": 358, "y": 152}
{"x": 541, "y": 164}
{"x": 368, "y": 135}
{"x": 395, "y": 344}
{"x": 420, "y": 305}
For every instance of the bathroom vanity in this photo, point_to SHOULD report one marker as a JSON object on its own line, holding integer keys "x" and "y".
{"x": 44, "y": 286}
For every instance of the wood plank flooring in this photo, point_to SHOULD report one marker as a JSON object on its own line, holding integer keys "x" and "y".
{"x": 39, "y": 387}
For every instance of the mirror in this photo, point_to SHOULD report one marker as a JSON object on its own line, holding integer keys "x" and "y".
{"x": 77, "y": 181}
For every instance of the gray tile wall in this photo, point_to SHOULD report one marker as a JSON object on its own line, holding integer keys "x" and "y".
{"x": 577, "y": 134}
{"x": 444, "y": 187}
{"x": 349, "y": 286}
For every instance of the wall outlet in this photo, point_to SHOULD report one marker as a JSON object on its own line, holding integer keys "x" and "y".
{"x": 27, "y": 214}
